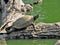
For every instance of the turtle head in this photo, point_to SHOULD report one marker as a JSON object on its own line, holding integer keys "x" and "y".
{"x": 35, "y": 17}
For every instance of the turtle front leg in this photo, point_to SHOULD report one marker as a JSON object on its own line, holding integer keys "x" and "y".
{"x": 33, "y": 26}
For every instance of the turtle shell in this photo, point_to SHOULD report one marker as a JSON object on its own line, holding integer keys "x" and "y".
{"x": 23, "y": 22}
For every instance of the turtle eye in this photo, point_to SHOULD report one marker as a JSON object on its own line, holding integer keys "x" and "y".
{"x": 6, "y": 1}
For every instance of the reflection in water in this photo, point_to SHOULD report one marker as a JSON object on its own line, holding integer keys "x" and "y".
{"x": 3, "y": 42}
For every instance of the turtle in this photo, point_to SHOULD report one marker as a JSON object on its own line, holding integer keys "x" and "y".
{"x": 21, "y": 23}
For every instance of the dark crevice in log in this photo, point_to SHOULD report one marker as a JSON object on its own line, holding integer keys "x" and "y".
{"x": 6, "y": 1}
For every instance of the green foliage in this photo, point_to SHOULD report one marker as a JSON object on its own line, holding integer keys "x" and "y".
{"x": 49, "y": 10}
